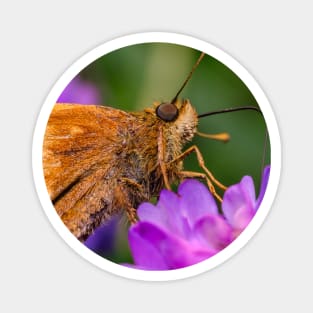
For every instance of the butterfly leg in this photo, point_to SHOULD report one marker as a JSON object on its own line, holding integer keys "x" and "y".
{"x": 131, "y": 215}
{"x": 130, "y": 210}
{"x": 188, "y": 174}
{"x": 209, "y": 176}
{"x": 131, "y": 182}
{"x": 161, "y": 158}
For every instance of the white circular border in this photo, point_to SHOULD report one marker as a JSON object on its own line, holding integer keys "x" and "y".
{"x": 113, "y": 45}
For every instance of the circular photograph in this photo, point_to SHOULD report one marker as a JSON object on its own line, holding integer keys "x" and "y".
{"x": 156, "y": 156}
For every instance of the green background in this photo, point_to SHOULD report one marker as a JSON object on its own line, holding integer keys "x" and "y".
{"x": 132, "y": 78}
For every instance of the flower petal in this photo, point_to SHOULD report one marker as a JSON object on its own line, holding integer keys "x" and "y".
{"x": 102, "y": 241}
{"x": 195, "y": 200}
{"x": 169, "y": 204}
{"x": 150, "y": 213}
{"x": 142, "y": 238}
{"x": 80, "y": 91}
{"x": 240, "y": 196}
{"x": 264, "y": 182}
{"x": 242, "y": 218}
{"x": 165, "y": 214}
{"x": 214, "y": 231}
{"x": 155, "y": 249}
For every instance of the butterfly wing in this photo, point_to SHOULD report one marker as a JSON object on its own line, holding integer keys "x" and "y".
{"x": 80, "y": 152}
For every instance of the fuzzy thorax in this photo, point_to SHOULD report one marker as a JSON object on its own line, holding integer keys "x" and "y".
{"x": 186, "y": 122}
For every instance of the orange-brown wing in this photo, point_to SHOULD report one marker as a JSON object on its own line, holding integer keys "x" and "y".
{"x": 80, "y": 145}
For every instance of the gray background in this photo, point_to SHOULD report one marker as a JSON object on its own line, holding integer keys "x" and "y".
{"x": 39, "y": 272}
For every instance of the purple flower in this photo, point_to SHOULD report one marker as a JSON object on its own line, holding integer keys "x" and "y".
{"x": 239, "y": 202}
{"x": 102, "y": 241}
{"x": 80, "y": 92}
{"x": 181, "y": 230}
{"x": 185, "y": 228}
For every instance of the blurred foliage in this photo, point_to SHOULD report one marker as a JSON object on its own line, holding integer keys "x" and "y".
{"x": 132, "y": 78}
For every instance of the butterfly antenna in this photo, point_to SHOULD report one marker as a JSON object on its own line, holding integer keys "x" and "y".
{"x": 264, "y": 151}
{"x": 231, "y": 110}
{"x": 188, "y": 77}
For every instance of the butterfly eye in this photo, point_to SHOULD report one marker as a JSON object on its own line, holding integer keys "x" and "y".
{"x": 168, "y": 112}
